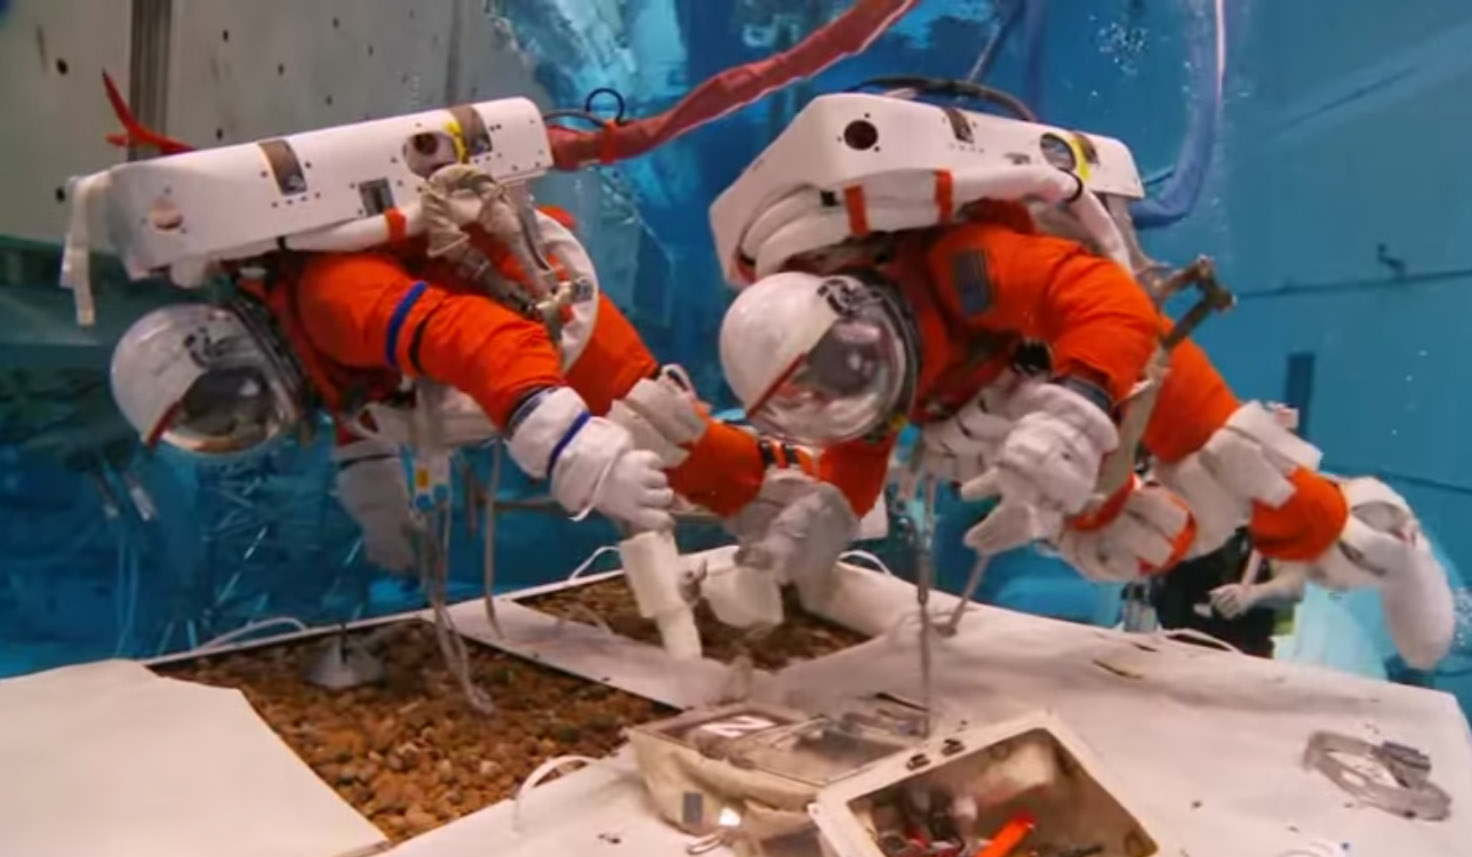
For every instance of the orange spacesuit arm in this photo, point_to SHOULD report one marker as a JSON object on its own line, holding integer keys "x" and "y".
{"x": 364, "y": 310}
{"x": 725, "y": 468}
{"x": 1194, "y": 403}
{"x": 727, "y": 465}
{"x": 859, "y": 468}
{"x": 1098, "y": 323}
{"x": 613, "y": 361}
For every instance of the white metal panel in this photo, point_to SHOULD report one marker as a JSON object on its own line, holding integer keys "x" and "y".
{"x": 227, "y": 196}
{"x": 597, "y": 655}
{"x": 240, "y": 71}
{"x": 55, "y": 116}
{"x": 601, "y": 809}
{"x": 1208, "y": 742}
{"x": 107, "y": 758}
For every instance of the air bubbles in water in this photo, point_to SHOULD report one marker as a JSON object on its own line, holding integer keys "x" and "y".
{"x": 1124, "y": 43}
{"x": 1462, "y": 604}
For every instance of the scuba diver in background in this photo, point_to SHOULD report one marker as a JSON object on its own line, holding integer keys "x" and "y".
{"x": 1231, "y": 593}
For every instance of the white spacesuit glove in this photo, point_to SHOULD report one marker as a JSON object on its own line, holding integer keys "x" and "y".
{"x": 1247, "y": 460}
{"x": 796, "y": 528}
{"x": 1150, "y": 532}
{"x": 1382, "y": 546}
{"x": 592, "y": 463}
{"x": 962, "y": 446}
{"x": 371, "y": 486}
{"x": 662, "y": 414}
{"x": 1046, "y": 468}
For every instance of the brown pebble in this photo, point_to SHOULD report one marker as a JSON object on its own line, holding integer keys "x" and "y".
{"x": 409, "y": 752}
{"x": 363, "y": 745}
{"x": 382, "y": 736}
{"x": 419, "y": 820}
{"x": 345, "y": 744}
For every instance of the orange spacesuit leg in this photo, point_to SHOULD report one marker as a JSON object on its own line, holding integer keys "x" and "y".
{"x": 1194, "y": 403}
{"x": 364, "y": 310}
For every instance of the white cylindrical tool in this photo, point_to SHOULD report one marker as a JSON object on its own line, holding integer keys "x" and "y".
{"x": 652, "y": 566}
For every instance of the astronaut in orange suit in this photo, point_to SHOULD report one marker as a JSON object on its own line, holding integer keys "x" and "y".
{"x": 1013, "y": 351}
{"x": 592, "y": 411}
{"x": 397, "y": 310}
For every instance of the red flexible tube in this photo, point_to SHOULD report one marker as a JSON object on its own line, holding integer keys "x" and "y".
{"x": 134, "y": 132}
{"x": 732, "y": 89}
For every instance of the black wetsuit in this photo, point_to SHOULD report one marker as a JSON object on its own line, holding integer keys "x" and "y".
{"x": 1176, "y": 595}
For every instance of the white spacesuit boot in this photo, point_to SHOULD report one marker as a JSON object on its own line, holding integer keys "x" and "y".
{"x": 1250, "y": 460}
{"x": 1382, "y": 546}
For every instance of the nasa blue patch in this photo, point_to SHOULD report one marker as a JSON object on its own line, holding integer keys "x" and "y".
{"x": 972, "y": 281}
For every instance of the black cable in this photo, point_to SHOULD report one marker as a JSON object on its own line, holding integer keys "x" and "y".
{"x": 586, "y": 113}
{"x": 573, "y": 113}
{"x": 952, "y": 88}
{"x": 618, "y": 118}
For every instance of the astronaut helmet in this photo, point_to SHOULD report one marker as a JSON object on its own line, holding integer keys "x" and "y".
{"x": 207, "y": 379}
{"x": 817, "y": 360}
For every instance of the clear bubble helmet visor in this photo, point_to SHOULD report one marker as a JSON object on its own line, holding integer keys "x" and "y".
{"x": 846, "y": 386}
{"x": 201, "y": 378}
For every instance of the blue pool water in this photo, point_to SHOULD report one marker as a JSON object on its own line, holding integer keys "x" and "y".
{"x": 1320, "y": 170}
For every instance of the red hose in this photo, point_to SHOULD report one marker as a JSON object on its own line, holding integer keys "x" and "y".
{"x": 848, "y": 34}
{"x": 732, "y": 89}
{"x": 134, "y": 132}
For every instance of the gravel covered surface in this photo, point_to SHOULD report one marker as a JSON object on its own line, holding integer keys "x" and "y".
{"x": 410, "y": 753}
{"x": 802, "y": 636}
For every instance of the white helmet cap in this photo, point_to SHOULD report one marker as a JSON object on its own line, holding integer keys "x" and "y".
{"x": 200, "y": 377}
{"x": 816, "y": 360}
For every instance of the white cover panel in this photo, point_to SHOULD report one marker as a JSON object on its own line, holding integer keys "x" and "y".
{"x": 108, "y": 760}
